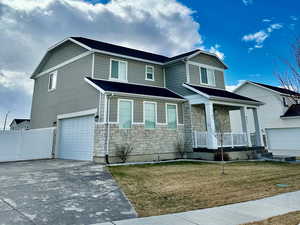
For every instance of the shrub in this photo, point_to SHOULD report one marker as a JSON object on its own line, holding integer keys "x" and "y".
{"x": 123, "y": 151}
{"x": 218, "y": 156}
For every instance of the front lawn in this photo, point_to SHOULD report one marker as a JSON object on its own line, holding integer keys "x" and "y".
{"x": 292, "y": 218}
{"x": 176, "y": 187}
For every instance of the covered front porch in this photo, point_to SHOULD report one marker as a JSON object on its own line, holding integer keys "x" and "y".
{"x": 216, "y": 131}
{"x": 214, "y": 111}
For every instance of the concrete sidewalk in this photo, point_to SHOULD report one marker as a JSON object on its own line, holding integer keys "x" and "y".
{"x": 233, "y": 214}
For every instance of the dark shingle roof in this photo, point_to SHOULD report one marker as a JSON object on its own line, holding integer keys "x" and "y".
{"x": 112, "y": 86}
{"x": 221, "y": 93}
{"x": 21, "y": 120}
{"x": 103, "y": 46}
{"x": 293, "y": 110}
{"x": 278, "y": 89}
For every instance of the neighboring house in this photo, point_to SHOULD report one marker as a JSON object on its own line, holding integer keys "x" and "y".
{"x": 279, "y": 116}
{"x": 20, "y": 124}
{"x": 102, "y": 96}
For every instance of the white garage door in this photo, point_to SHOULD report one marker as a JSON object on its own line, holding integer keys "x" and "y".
{"x": 76, "y": 139}
{"x": 284, "y": 141}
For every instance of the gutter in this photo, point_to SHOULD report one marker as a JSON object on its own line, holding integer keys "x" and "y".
{"x": 108, "y": 128}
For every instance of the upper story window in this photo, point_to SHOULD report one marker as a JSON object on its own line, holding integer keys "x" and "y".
{"x": 118, "y": 70}
{"x": 171, "y": 112}
{"x": 125, "y": 113}
{"x": 150, "y": 114}
{"x": 207, "y": 76}
{"x": 52, "y": 81}
{"x": 149, "y": 73}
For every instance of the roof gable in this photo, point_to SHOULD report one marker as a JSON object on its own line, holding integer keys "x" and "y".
{"x": 60, "y": 53}
{"x": 219, "y": 93}
{"x": 276, "y": 90}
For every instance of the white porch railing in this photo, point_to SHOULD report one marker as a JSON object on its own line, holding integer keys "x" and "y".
{"x": 200, "y": 139}
{"x": 232, "y": 139}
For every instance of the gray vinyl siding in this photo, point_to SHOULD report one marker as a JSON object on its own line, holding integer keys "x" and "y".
{"x": 175, "y": 77}
{"x": 72, "y": 94}
{"x": 60, "y": 54}
{"x": 220, "y": 82}
{"x": 207, "y": 60}
{"x": 135, "y": 70}
{"x": 194, "y": 72}
{"x": 138, "y": 116}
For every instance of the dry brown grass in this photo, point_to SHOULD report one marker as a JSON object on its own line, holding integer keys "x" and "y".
{"x": 292, "y": 218}
{"x": 176, "y": 187}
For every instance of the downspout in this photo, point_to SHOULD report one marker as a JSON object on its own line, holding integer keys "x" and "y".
{"x": 108, "y": 129}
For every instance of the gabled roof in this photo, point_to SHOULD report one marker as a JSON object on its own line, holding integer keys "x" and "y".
{"x": 116, "y": 50}
{"x": 219, "y": 93}
{"x": 107, "y": 47}
{"x": 103, "y": 46}
{"x": 270, "y": 87}
{"x": 18, "y": 121}
{"x": 129, "y": 88}
{"x": 293, "y": 111}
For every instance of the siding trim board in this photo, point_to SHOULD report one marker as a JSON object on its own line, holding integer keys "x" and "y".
{"x": 33, "y": 76}
{"x": 205, "y": 66}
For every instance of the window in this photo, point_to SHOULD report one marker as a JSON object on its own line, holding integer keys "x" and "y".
{"x": 207, "y": 76}
{"x": 125, "y": 113}
{"x": 118, "y": 70}
{"x": 150, "y": 114}
{"x": 52, "y": 81}
{"x": 149, "y": 73}
{"x": 172, "y": 116}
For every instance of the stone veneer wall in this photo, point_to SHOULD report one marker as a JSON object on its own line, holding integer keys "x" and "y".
{"x": 198, "y": 118}
{"x": 188, "y": 132}
{"x": 148, "y": 144}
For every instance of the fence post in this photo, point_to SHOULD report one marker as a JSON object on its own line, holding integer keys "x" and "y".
{"x": 232, "y": 144}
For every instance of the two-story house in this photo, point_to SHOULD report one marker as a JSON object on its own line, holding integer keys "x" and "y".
{"x": 279, "y": 116}
{"x": 102, "y": 96}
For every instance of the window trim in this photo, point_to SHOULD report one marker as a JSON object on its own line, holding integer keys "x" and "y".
{"x": 146, "y": 78}
{"x": 167, "y": 115}
{"x": 144, "y": 119}
{"x": 132, "y": 113}
{"x": 126, "y": 70}
{"x": 51, "y": 74}
{"x": 214, "y": 76}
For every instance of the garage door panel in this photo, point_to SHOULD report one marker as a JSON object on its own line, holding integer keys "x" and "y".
{"x": 76, "y": 138}
{"x": 284, "y": 141}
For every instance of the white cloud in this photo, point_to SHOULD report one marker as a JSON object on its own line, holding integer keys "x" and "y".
{"x": 29, "y": 27}
{"x": 266, "y": 20}
{"x": 247, "y": 2}
{"x": 216, "y": 50}
{"x": 259, "y": 37}
{"x": 233, "y": 87}
{"x": 294, "y": 18}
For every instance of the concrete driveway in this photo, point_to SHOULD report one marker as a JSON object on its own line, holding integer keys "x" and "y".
{"x": 59, "y": 192}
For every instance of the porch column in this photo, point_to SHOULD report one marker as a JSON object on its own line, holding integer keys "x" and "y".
{"x": 258, "y": 135}
{"x": 211, "y": 128}
{"x": 245, "y": 127}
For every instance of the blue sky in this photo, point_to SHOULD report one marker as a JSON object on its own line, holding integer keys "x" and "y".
{"x": 226, "y": 24}
{"x": 249, "y": 34}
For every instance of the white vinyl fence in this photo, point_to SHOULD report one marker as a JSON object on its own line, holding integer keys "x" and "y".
{"x": 26, "y": 145}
